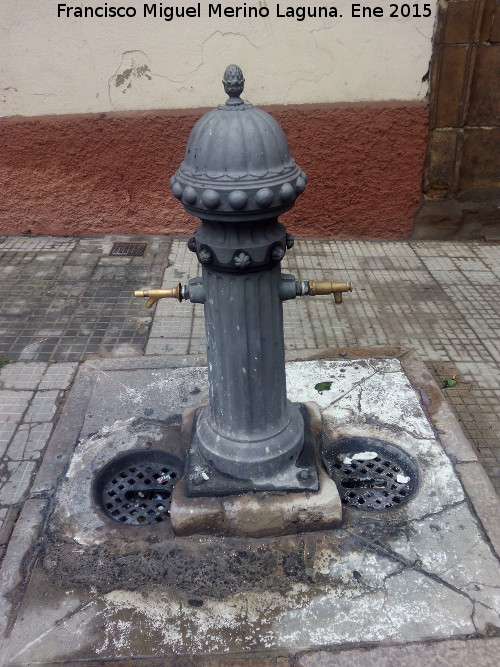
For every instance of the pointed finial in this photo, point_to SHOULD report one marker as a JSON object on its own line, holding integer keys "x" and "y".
{"x": 233, "y": 84}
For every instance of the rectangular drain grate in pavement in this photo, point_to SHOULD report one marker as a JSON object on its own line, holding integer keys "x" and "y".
{"x": 128, "y": 249}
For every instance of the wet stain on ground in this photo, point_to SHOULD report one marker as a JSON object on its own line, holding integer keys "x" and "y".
{"x": 208, "y": 567}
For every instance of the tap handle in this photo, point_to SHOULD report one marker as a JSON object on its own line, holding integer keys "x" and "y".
{"x": 316, "y": 287}
{"x": 327, "y": 287}
{"x": 153, "y": 295}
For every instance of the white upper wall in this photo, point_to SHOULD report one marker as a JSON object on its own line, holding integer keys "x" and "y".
{"x": 51, "y": 65}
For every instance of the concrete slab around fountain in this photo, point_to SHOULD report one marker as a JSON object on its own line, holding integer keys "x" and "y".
{"x": 79, "y": 588}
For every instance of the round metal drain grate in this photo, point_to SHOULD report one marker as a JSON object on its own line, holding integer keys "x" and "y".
{"x": 370, "y": 474}
{"x": 136, "y": 488}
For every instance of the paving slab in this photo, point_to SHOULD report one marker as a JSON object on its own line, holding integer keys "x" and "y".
{"x": 423, "y": 571}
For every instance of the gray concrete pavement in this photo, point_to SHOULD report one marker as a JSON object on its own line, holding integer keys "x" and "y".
{"x": 65, "y": 300}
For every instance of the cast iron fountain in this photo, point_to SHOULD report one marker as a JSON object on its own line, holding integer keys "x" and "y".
{"x": 238, "y": 177}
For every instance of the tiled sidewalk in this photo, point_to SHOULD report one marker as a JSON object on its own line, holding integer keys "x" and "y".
{"x": 31, "y": 394}
{"x": 65, "y": 300}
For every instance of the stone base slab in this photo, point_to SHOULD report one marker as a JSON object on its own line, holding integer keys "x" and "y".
{"x": 259, "y": 514}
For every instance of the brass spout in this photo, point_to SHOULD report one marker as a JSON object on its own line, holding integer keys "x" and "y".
{"x": 327, "y": 287}
{"x": 154, "y": 295}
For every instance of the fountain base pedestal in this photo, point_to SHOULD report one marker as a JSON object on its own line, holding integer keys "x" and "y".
{"x": 298, "y": 474}
{"x": 221, "y": 505}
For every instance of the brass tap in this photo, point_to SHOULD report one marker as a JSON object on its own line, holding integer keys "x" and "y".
{"x": 327, "y": 287}
{"x": 155, "y": 294}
